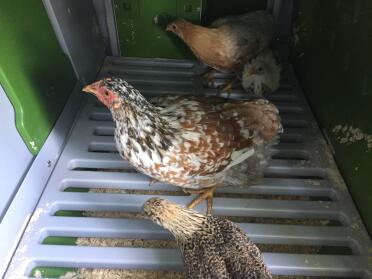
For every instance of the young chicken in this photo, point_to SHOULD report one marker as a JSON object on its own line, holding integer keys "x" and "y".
{"x": 229, "y": 42}
{"x": 262, "y": 73}
{"x": 211, "y": 247}
{"x": 194, "y": 142}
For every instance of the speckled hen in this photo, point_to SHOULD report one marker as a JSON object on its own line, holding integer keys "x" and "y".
{"x": 211, "y": 247}
{"x": 193, "y": 142}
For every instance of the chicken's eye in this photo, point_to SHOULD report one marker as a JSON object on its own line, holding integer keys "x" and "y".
{"x": 106, "y": 93}
{"x": 156, "y": 203}
{"x": 174, "y": 27}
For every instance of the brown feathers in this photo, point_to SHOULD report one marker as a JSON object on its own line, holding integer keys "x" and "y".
{"x": 261, "y": 116}
{"x": 213, "y": 46}
{"x": 229, "y": 42}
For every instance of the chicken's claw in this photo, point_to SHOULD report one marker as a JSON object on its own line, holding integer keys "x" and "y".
{"x": 205, "y": 194}
{"x": 226, "y": 88}
{"x": 208, "y": 76}
{"x": 153, "y": 181}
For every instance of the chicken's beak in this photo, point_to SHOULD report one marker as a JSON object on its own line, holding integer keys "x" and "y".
{"x": 91, "y": 88}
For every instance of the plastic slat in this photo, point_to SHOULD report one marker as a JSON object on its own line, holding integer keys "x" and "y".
{"x": 170, "y": 259}
{"x": 143, "y": 229}
{"x": 286, "y": 175}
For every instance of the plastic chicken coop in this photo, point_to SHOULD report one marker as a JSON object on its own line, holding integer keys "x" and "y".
{"x": 69, "y": 204}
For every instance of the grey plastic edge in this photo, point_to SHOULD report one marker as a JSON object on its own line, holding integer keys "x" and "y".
{"x": 277, "y": 4}
{"x": 272, "y": 6}
{"x": 282, "y": 12}
{"x": 100, "y": 9}
{"x": 15, "y": 157}
{"x": 23, "y": 205}
{"x": 77, "y": 30}
{"x": 284, "y": 22}
{"x": 111, "y": 26}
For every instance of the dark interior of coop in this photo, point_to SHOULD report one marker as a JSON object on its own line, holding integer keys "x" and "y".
{"x": 68, "y": 203}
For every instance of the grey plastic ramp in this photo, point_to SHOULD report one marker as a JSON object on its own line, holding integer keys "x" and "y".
{"x": 302, "y": 200}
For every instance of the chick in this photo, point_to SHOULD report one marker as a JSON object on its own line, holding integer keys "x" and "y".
{"x": 262, "y": 74}
{"x": 211, "y": 247}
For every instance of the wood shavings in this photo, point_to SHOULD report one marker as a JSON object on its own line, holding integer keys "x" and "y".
{"x": 149, "y": 191}
{"x": 113, "y": 214}
{"x": 347, "y": 134}
{"x": 123, "y": 242}
{"x": 84, "y": 273}
{"x": 108, "y": 190}
{"x": 291, "y": 249}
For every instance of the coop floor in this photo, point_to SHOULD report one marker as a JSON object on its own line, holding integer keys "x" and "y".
{"x": 87, "y": 225}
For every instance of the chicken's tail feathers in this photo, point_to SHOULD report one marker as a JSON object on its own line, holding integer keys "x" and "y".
{"x": 260, "y": 116}
{"x": 264, "y": 117}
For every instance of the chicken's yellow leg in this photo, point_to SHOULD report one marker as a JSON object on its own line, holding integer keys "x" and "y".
{"x": 153, "y": 181}
{"x": 205, "y": 194}
{"x": 227, "y": 88}
{"x": 208, "y": 76}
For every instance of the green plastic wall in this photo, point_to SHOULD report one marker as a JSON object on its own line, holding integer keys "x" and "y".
{"x": 333, "y": 59}
{"x": 34, "y": 72}
{"x": 218, "y": 8}
{"x": 139, "y": 36}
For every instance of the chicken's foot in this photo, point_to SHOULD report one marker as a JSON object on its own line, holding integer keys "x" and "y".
{"x": 153, "y": 181}
{"x": 208, "y": 76}
{"x": 204, "y": 194}
{"x": 227, "y": 88}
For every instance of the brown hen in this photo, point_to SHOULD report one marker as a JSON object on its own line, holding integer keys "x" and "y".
{"x": 230, "y": 41}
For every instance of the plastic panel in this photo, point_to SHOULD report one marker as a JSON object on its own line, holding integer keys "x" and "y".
{"x": 34, "y": 72}
{"x": 217, "y": 8}
{"x": 333, "y": 60}
{"x": 23, "y": 205}
{"x": 90, "y": 160}
{"x": 15, "y": 157}
{"x": 76, "y": 25}
{"x": 139, "y": 36}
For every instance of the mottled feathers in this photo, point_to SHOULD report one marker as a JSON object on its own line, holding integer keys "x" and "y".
{"x": 236, "y": 134}
{"x": 212, "y": 247}
{"x": 188, "y": 141}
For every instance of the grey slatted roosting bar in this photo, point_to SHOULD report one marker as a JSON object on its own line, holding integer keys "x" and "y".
{"x": 302, "y": 166}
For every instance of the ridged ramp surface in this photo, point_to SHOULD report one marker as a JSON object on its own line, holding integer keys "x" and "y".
{"x": 302, "y": 201}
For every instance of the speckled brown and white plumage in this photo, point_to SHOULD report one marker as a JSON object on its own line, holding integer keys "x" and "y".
{"x": 211, "y": 247}
{"x": 190, "y": 141}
